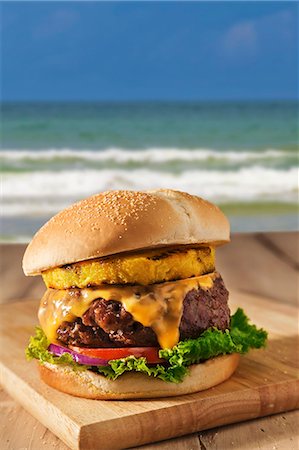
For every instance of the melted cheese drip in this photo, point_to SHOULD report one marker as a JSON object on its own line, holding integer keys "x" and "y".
{"x": 157, "y": 306}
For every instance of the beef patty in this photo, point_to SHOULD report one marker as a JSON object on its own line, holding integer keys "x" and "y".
{"x": 107, "y": 324}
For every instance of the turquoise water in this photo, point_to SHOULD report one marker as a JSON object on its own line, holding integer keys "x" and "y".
{"x": 97, "y": 126}
{"x": 242, "y": 155}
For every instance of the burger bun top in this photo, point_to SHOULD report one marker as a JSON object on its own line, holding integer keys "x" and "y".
{"x": 114, "y": 222}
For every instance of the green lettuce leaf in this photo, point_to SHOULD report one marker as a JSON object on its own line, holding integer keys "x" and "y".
{"x": 244, "y": 334}
{"x": 117, "y": 367}
{"x": 238, "y": 339}
{"x": 38, "y": 349}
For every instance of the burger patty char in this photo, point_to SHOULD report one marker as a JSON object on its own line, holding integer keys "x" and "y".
{"x": 107, "y": 324}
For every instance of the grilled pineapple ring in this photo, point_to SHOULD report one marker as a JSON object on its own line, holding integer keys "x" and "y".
{"x": 143, "y": 268}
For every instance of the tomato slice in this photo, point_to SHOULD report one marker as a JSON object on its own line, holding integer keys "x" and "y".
{"x": 150, "y": 353}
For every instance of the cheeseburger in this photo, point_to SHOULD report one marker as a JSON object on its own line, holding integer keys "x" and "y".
{"x": 134, "y": 306}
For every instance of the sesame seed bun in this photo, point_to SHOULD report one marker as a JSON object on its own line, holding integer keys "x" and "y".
{"x": 122, "y": 221}
{"x": 131, "y": 385}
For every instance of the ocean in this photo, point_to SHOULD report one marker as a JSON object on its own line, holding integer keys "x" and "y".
{"x": 241, "y": 155}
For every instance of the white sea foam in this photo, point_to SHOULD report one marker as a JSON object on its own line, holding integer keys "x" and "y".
{"x": 39, "y": 193}
{"x": 150, "y": 155}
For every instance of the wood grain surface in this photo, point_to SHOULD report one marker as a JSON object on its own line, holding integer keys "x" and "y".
{"x": 244, "y": 265}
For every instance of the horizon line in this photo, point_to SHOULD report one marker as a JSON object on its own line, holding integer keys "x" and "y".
{"x": 132, "y": 101}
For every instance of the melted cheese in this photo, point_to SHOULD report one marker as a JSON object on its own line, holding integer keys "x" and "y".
{"x": 157, "y": 306}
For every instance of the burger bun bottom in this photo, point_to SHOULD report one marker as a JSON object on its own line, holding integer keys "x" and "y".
{"x": 135, "y": 385}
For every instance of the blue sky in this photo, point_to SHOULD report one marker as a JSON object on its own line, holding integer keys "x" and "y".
{"x": 149, "y": 51}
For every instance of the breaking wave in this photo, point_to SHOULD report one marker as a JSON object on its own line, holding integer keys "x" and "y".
{"x": 39, "y": 193}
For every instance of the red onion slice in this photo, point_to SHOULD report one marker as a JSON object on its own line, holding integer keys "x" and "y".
{"x": 81, "y": 359}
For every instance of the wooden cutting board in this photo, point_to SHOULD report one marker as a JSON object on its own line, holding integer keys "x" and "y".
{"x": 265, "y": 383}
